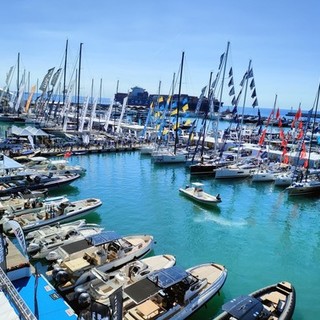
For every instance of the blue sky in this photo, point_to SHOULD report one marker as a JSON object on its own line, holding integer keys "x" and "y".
{"x": 140, "y": 43}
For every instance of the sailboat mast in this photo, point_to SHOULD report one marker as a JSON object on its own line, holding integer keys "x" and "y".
{"x": 178, "y": 106}
{"x": 65, "y": 74}
{"x": 313, "y": 128}
{"x": 244, "y": 103}
{"x": 220, "y": 99}
{"x": 79, "y": 73}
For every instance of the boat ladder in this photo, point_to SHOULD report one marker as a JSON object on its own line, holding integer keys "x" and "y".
{"x": 7, "y": 287}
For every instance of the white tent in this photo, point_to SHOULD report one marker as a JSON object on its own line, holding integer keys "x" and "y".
{"x": 8, "y": 163}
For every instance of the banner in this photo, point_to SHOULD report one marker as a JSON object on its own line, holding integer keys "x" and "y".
{"x": 33, "y": 90}
{"x": 2, "y": 253}
{"x": 46, "y": 80}
{"x": 17, "y": 230}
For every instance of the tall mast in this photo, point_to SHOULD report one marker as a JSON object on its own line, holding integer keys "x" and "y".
{"x": 78, "y": 98}
{"x": 178, "y": 105}
{"x": 65, "y": 73}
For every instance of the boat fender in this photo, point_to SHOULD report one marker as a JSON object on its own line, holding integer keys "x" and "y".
{"x": 62, "y": 277}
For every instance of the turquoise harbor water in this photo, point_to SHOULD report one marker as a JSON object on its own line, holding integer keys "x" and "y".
{"x": 257, "y": 232}
{"x": 260, "y": 235}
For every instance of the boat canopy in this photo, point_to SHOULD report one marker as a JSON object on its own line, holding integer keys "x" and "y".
{"x": 243, "y": 307}
{"x": 197, "y": 184}
{"x": 103, "y": 237}
{"x": 165, "y": 278}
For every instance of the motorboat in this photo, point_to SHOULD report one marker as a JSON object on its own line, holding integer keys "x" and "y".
{"x": 304, "y": 188}
{"x": 105, "y": 284}
{"x": 195, "y": 192}
{"x": 39, "y": 247}
{"x": 45, "y": 165}
{"x": 15, "y": 206}
{"x": 276, "y": 301}
{"x": 104, "y": 251}
{"x": 54, "y": 229}
{"x": 168, "y": 156}
{"x": 65, "y": 211}
{"x": 36, "y": 182}
{"x": 235, "y": 171}
{"x": 173, "y": 293}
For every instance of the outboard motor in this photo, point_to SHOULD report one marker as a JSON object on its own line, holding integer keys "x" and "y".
{"x": 62, "y": 277}
{"x": 55, "y": 272}
{"x": 33, "y": 248}
{"x": 77, "y": 291}
{"x": 84, "y": 299}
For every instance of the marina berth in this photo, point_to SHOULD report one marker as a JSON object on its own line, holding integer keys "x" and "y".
{"x": 196, "y": 193}
{"x": 173, "y": 293}
{"x": 105, "y": 251}
{"x": 272, "y": 302}
{"x": 105, "y": 284}
{"x": 51, "y": 214}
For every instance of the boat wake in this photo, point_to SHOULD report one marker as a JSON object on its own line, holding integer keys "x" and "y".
{"x": 208, "y": 216}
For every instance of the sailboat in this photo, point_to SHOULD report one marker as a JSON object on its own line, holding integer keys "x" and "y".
{"x": 238, "y": 169}
{"x": 308, "y": 183}
{"x": 169, "y": 155}
{"x": 208, "y": 166}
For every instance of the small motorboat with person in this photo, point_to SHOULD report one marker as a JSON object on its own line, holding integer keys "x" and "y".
{"x": 195, "y": 192}
{"x": 276, "y": 302}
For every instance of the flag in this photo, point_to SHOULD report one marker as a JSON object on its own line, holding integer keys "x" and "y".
{"x": 68, "y": 154}
{"x": 231, "y": 92}
{"x": 160, "y": 99}
{"x": 33, "y": 89}
{"x": 300, "y": 125}
{"x": 280, "y": 123}
{"x": 281, "y": 134}
{"x": 250, "y": 74}
{"x": 231, "y": 83}
{"x": 262, "y": 137}
{"x": 230, "y": 73}
{"x": 278, "y": 114}
{"x": 17, "y": 230}
{"x": 254, "y": 94}
{"x": 174, "y": 112}
{"x": 244, "y": 78}
{"x": 298, "y": 114}
{"x": 303, "y": 153}
{"x": 46, "y": 80}
{"x": 306, "y": 164}
{"x": 255, "y": 102}
{"x": 9, "y": 75}
{"x": 252, "y": 84}
{"x": 233, "y": 102}
{"x": 55, "y": 77}
{"x": 221, "y": 60}
{"x": 3, "y": 253}
{"x": 185, "y": 107}
{"x": 300, "y": 134}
